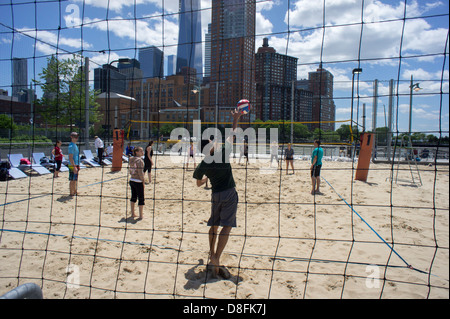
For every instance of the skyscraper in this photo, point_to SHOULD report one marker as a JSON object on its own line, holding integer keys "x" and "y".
{"x": 171, "y": 65}
{"x": 232, "y": 52}
{"x": 152, "y": 62}
{"x": 109, "y": 76}
{"x": 208, "y": 52}
{"x": 324, "y": 109}
{"x": 275, "y": 74}
{"x": 189, "y": 51}
{"x": 20, "y": 78}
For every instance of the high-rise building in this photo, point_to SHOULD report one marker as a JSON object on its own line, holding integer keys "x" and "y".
{"x": 20, "y": 78}
{"x": 152, "y": 62}
{"x": 275, "y": 78}
{"x": 208, "y": 53}
{"x": 324, "y": 109}
{"x": 108, "y": 76}
{"x": 232, "y": 54}
{"x": 171, "y": 65}
{"x": 132, "y": 70}
{"x": 189, "y": 51}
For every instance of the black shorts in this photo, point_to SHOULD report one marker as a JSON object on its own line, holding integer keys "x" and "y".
{"x": 137, "y": 192}
{"x": 315, "y": 171}
{"x": 58, "y": 165}
{"x": 147, "y": 165}
{"x": 223, "y": 208}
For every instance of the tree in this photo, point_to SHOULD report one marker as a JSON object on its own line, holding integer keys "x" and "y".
{"x": 63, "y": 101}
{"x": 7, "y": 122}
{"x": 432, "y": 139}
{"x": 344, "y": 132}
{"x": 301, "y": 131}
{"x": 318, "y": 134}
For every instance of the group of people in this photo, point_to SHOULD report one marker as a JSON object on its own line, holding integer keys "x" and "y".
{"x": 224, "y": 197}
{"x": 74, "y": 161}
{"x": 316, "y": 163}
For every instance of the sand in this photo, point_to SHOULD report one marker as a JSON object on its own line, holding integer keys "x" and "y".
{"x": 288, "y": 244}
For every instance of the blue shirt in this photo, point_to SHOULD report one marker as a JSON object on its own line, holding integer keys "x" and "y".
{"x": 318, "y": 151}
{"x": 73, "y": 149}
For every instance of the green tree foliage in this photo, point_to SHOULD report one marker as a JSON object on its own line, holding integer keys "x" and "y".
{"x": 6, "y": 122}
{"x": 63, "y": 101}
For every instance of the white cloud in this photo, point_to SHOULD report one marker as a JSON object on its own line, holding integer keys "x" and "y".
{"x": 263, "y": 25}
{"x": 145, "y": 31}
{"x": 421, "y": 74}
{"x": 47, "y": 42}
{"x": 119, "y": 5}
{"x": 380, "y": 38}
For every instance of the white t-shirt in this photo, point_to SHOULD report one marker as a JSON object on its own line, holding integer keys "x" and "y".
{"x": 98, "y": 143}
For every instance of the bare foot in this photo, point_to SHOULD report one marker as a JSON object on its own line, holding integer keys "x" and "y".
{"x": 215, "y": 265}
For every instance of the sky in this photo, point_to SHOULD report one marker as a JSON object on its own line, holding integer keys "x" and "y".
{"x": 383, "y": 37}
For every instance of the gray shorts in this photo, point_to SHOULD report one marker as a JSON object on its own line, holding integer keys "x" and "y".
{"x": 224, "y": 208}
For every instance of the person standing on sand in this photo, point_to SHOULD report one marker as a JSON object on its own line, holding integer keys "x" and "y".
{"x": 137, "y": 179}
{"x": 58, "y": 156}
{"x": 148, "y": 160}
{"x": 74, "y": 163}
{"x": 289, "y": 156}
{"x": 224, "y": 198}
{"x": 100, "y": 149}
{"x": 316, "y": 165}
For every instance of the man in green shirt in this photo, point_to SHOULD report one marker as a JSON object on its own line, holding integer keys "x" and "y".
{"x": 224, "y": 198}
{"x": 316, "y": 165}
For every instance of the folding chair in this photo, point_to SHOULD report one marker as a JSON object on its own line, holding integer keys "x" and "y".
{"x": 14, "y": 159}
{"x": 90, "y": 156}
{"x": 66, "y": 162}
{"x": 37, "y": 159}
{"x": 90, "y": 159}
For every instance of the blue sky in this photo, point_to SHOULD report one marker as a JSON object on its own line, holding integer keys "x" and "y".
{"x": 293, "y": 27}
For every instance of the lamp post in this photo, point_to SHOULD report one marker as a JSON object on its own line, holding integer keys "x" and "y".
{"x": 355, "y": 71}
{"x": 416, "y": 88}
{"x": 198, "y": 89}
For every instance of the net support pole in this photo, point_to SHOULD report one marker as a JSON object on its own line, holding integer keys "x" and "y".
{"x": 118, "y": 140}
{"x": 374, "y": 115}
{"x": 365, "y": 154}
{"x": 86, "y": 102}
{"x": 390, "y": 120}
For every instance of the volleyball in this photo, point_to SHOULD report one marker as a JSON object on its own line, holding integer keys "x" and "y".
{"x": 243, "y": 106}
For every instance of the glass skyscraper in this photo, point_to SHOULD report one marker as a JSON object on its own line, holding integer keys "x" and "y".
{"x": 20, "y": 78}
{"x": 189, "y": 53}
{"x": 152, "y": 62}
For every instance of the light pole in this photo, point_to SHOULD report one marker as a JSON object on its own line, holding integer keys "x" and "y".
{"x": 416, "y": 88}
{"x": 355, "y": 71}
{"x": 198, "y": 89}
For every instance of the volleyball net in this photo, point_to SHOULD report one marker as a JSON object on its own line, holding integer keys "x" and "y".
{"x": 95, "y": 67}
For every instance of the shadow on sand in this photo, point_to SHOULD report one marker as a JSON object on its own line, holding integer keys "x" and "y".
{"x": 201, "y": 274}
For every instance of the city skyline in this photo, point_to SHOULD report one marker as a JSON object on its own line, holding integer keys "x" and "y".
{"x": 298, "y": 31}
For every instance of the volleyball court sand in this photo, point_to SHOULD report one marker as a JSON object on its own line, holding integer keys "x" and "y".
{"x": 288, "y": 243}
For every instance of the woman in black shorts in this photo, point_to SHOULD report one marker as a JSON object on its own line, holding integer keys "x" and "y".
{"x": 289, "y": 154}
{"x": 148, "y": 162}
